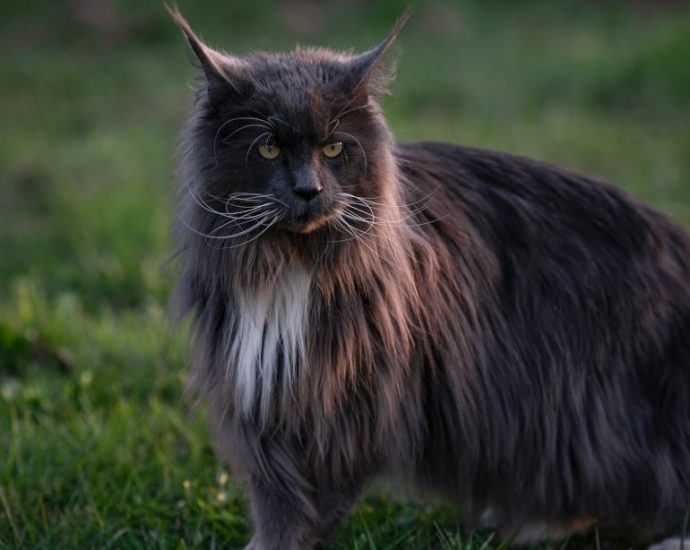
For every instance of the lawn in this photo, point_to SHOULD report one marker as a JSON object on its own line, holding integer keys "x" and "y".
{"x": 98, "y": 446}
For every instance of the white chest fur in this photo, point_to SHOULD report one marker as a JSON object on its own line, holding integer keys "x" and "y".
{"x": 268, "y": 338}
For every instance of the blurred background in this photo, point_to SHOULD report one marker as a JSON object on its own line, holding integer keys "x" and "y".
{"x": 98, "y": 447}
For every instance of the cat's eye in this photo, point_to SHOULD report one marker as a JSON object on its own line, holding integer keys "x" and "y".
{"x": 269, "y": 151}
{"x": 332, "y": 150}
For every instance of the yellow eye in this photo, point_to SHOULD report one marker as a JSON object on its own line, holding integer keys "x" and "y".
{"x": 332, "y": 150}
{"x": 269, "y": 151}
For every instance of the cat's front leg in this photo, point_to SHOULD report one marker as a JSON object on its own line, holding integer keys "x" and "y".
{"x": 677, "y": 543}
{"x": 297, "y": 519}
{"x": 283, "y": 519}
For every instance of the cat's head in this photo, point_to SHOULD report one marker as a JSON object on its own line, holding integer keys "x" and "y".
{"x": 289, "y": 142}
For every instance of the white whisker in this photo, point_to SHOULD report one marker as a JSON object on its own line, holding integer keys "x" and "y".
{"x": 275, "y": 220}
{"x": 203, "y": 204}
{"x": 261, "y": 219}
{"x": 361, "y": 210}
{"x": 231, "y": 236}
{"x": 215, "y": 138}
{"x": 243, "y": 220}
{"x": 247, "y": 211}
{"x": 373, "y": 200}
{"x": 364, "y": 154}
{"x": 248, "y": 126}
{"x": 251, "y": 146}
{"x": 276, "y": 117}
{"x": 243, "y": 211}
{"x": 342, "y": 113}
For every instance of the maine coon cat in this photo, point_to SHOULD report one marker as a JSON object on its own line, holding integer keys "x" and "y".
{"x": 502, "y": 332}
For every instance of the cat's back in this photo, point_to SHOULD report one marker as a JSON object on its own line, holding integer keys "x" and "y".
{"x": 558, "y": 242}
{"x": 574, "y": 260}
{"x": 532, "y": 209}
{"x": 562, "y": 253}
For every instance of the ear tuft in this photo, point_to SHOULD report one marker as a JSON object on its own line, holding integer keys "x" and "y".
{"x": 224, "y": 73}
{"x": 371, "y": 71}
{"x": 210, "y": 60}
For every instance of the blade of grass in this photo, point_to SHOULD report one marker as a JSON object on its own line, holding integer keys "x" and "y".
{"x": 486, "y": 543}
{"x": 8, "y": 513}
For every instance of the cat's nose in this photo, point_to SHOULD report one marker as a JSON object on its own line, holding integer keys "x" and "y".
{"x": 308, "y": 190}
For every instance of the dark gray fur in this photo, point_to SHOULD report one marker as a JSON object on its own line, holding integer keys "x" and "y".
{"x": 510, "y": 335}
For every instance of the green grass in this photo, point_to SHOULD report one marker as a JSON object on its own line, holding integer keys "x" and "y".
{"x": 98, "y": 447}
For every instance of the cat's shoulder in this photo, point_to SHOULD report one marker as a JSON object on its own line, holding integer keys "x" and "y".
{"x": 492, "y": 171}
{"x": 490, "y": 182}
{"x": 441, "y": 155}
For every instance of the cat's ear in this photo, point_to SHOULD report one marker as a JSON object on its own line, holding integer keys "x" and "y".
{"x": 371, "y": 72}
{"x": 224, "y": 73}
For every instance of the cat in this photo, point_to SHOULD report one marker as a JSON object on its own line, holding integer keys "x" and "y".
{"x": 501, "y": 332}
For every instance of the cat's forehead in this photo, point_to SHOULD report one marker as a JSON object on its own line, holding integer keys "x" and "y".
{"x": 299, "y": 69}
{"x": 305, "y": 87}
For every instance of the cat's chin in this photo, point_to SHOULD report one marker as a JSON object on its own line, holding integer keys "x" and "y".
{"x": 311, "y": 226}
{"x": 308, "y": 226}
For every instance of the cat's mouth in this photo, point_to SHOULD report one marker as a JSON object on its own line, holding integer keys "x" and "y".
{"x": 308, "y": 218}
{"x": 308, "y": 223}
{"x": 312, "y": 225}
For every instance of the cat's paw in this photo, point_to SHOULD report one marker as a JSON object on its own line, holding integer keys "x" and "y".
{"x": 676, "y": 543}
{"x": 257, "y": 544}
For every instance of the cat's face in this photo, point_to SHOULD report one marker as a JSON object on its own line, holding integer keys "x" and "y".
{"x": 288, "y": 142}
{"x": 296, "y": 134}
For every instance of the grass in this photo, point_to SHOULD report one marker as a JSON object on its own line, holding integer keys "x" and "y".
{"x": 98, "y": 448}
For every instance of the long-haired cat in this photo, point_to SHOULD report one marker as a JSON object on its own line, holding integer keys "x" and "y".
{"x": 502, "y": 332}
